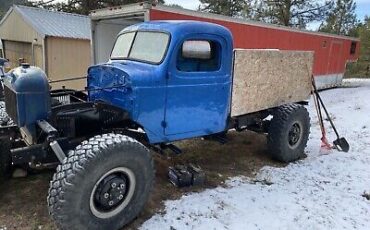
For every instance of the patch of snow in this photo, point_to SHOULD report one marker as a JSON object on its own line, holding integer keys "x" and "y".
{"x": 319, "y": 192}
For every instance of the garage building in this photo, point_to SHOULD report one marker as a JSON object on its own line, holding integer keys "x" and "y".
{"x": 57, "y": 42}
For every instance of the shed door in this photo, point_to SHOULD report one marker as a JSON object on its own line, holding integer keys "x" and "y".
{"x": 16, "y": 50}
{"x": 37, "y": 54}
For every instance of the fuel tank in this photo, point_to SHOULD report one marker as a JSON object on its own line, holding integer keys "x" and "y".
{"x": 27, "y": 95}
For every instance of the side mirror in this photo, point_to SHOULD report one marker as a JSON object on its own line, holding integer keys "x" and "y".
{"x": 196, "y": 49}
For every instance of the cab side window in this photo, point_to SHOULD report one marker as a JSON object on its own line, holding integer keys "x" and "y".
{"x": 199, "y": 56}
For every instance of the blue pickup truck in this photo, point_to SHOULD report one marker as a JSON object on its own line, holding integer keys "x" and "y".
{"x": 165, "y": 81}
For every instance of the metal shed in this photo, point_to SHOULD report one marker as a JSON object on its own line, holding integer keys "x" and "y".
{"x": 57, "y": 42}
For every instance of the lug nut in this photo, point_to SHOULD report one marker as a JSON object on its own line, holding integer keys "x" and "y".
{"x": 111, "y": 203}
{"x": 114, "y": 185}
{"x": 122, "y": 186}
{"x": 106, "y": 195}
{"x": 120, "y": 197}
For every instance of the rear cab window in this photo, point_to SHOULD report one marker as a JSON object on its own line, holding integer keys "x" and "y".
{"x": 199, "y": 56}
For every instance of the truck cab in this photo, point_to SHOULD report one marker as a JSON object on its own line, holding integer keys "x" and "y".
{"x": 178, "y": 88}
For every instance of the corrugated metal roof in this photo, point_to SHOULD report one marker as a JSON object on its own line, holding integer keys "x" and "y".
{"x": 56, "y": 24}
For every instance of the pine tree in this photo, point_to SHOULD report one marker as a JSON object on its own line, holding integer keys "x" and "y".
{"x": 295, "y": 13}
{"x": 6, "y": 4}
{"x": 82, "y": 6}
{"x": 342, "y": 19}
{"x": 361, "y": 68}
{"x": 233, "y": 8}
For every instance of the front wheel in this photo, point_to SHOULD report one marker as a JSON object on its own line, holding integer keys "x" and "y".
{"x": 103, "y": 184}
{"x": 288, "y": 133}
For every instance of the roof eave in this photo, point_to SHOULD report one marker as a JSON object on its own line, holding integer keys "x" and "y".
{"x": 70, "y": 38}
{"x": 27, "y": 20}
{"x": 6, "y": 15}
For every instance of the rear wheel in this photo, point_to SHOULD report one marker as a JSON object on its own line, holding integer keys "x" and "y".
{"x": 103, "y": 184}
{"x": 288, "y": 133}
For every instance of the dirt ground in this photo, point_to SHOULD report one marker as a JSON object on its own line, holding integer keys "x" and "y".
{"x": 23, "y": 201}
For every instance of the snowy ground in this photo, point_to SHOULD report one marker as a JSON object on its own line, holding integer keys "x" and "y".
{"x": 323, "y": 191}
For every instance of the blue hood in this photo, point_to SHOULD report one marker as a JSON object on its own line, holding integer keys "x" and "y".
{"x": 116, "y": 82}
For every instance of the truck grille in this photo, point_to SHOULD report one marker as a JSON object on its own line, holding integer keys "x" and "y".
{"x": 11, "y": 103}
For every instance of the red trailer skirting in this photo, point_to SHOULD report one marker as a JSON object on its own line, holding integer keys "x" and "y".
{"x": 331, "y": 52}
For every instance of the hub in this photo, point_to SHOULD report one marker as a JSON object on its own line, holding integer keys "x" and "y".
{"x": 112, "y": 192}
{"x": 294, "y": 135}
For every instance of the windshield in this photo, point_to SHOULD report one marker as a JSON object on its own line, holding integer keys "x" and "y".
{"x": 144, "y": 46}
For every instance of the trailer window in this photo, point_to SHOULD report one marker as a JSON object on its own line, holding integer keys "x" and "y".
{"x": 146, "y": 46}
{"x": 204, "y": 62}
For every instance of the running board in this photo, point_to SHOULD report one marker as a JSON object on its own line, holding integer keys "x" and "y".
{"x": 160, "y": 148}
{"x": 220, "y": 138}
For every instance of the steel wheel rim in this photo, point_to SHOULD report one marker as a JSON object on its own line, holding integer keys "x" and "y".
{"x": 94, "y": 204}
{"x": 295, "y": 134}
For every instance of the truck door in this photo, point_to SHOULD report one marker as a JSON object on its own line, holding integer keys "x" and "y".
{"x": 198, "y": 87}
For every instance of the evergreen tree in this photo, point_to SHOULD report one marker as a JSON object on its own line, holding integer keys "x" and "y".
{"x": 342, "y": 19}
{"x": 295, "y": 13}
{"x": 233, "y": 8}
{"x": 175, "y": 6}
{"x": 6, "y": 4}
{"x": 361, "y": 68}
{"x": 83, "y": 6}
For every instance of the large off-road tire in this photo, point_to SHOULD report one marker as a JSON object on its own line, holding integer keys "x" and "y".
{"x": 103, "y": 184}
{"x": 5, "y": 158}
{"x": 288, "y": 133}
